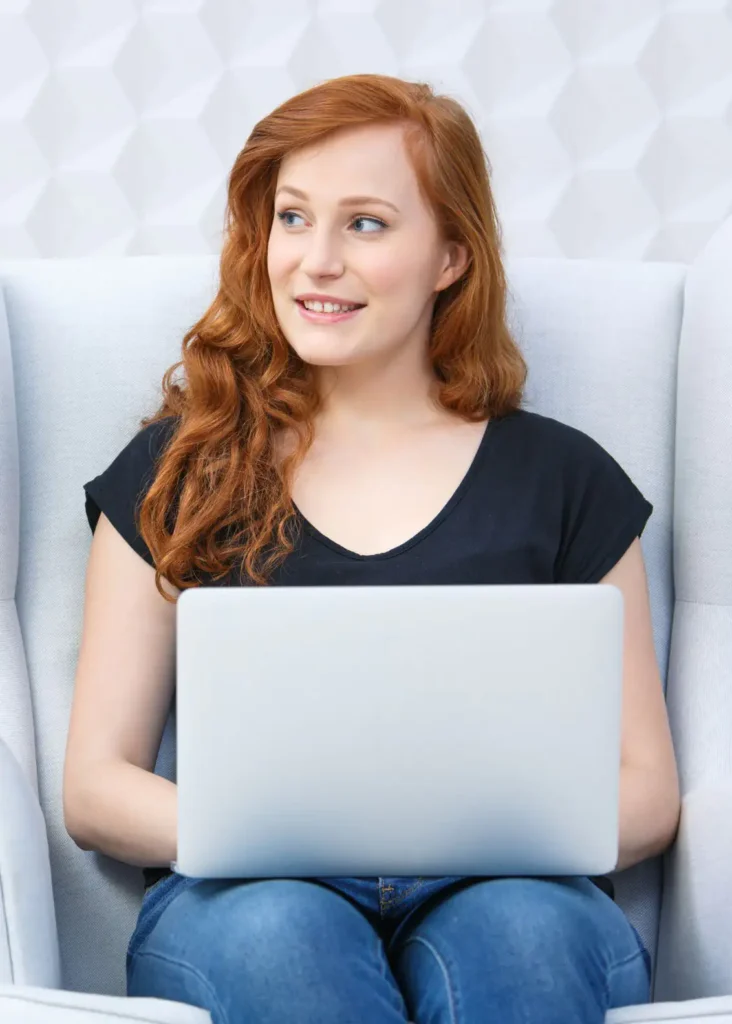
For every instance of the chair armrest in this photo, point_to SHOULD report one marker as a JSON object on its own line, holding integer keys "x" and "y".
{"x": 694, "y": 1011}
{"x": 29, "y": 953}
{"x": 694, "y": 952}
{"x": 23, "y": 1005}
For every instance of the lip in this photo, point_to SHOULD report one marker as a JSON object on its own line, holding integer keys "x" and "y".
{"x": 325, "y": 318}
{"x": 319, "y": 297}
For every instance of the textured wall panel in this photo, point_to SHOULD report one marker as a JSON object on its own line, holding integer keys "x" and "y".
{"x": 608, "y": 123}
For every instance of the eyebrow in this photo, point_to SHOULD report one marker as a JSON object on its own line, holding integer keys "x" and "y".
{"x": 347, "y": 201}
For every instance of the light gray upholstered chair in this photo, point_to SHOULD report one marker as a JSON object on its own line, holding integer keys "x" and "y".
{"x": 638, "y": 355}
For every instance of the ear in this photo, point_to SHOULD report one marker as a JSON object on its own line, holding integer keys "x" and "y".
{"x": 457, "y": 259}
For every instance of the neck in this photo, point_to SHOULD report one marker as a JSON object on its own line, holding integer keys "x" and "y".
{"x": 383, "y": 395}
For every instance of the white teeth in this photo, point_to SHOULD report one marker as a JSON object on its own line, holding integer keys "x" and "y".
{"x": 326, "y": 307}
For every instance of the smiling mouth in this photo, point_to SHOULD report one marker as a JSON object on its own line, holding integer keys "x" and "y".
{"x": 316, "y": 306}
{"x": 327, "y": 312}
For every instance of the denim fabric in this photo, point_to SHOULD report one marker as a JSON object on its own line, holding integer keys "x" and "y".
{"x": 388, "y": 950}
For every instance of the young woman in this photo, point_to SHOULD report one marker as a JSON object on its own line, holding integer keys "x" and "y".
{"x": 349, "y": 413}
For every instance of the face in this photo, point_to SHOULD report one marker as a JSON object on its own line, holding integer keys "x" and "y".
{"x": 351, "y": 228}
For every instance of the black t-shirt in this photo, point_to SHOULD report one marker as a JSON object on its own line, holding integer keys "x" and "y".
{"x": 542, "y": 502}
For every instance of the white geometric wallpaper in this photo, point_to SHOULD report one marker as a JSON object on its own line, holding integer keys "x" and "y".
{"x": 608, "y": 123}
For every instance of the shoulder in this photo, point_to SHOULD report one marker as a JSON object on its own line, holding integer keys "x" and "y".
{"x": 548, "y": 441}
{"x": 135, "y": 464}
{"x": 119, "y": 490}
{"x": 598, "y": 509}
{"x": 593, "y": 508}
{"x": 569, "y": 462}
{"x": 149, "y": 443}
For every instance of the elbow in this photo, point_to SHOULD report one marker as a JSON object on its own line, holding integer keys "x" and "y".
{"x": 664, "y": 836}
{"x": 667, "y": 820}
{"x": 674, "y": 816}
{"x": 75, "y": 828}
{"x": 673, "y": 808}
{"x": 80, "y": 841}
{"x": 78, "y": 836}
{"x": 76, "y": 821}
{"x": 650, "y": 808}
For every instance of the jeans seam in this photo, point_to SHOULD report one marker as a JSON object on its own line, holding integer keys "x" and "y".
{"x": 625, "y": 961}
{"x": 143, "y": 930}
{"x": 183, "y": 965}
{"x": 615, "y": 967}
{"x": 451, "y": 994}
{"x": 388, "y": 976}
{"x": 395, "y": 901}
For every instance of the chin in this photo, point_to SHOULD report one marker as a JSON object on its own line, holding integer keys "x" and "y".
{"x": 322, "y": 360}
{"x": 324, "y": 355}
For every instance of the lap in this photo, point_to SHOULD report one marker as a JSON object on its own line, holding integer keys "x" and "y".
{"x": 266, "y": 946}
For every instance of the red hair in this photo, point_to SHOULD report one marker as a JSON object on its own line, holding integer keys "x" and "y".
{"x": 243, "y": 383}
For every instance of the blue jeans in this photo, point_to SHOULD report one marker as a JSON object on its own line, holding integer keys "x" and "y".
{"x": 388, "y": 950}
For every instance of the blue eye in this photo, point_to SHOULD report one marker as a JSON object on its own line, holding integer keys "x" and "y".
{"x": 287, "y": 213}
{"x": 373, "y": 220}
{"x": 379, "y": 224}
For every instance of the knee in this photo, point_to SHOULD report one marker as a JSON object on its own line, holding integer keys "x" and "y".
{"x": 288, "y": 918}
{"x": 545, "y": 947}
{"x": 531, "y": 913}
{"x": 251, "y": 950}
{"x": 523, "y": 918}
{"x": 253, "y": 923}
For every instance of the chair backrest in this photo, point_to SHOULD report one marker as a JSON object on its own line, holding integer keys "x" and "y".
{"x": 16, "y": 718}
{"x": 693, "y": 957}
{"x": 90, "y": 341}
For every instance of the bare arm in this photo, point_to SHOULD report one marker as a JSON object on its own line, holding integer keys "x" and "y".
{"x": 649, "y": 785}
{"x": 113, "y": 802}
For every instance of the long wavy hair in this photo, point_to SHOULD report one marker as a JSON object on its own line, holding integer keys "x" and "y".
{"x": 242, "y": 385}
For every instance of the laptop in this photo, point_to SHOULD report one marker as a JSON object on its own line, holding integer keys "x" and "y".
{"x": 398, "y": 731}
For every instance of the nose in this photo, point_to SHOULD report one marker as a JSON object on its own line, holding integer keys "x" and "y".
{"x": 322, "y": 256}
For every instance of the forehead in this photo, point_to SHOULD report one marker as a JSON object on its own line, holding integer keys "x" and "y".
{"x": 371, "y": 160}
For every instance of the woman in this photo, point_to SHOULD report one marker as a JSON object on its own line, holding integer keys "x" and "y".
{"x": 350, "y": 413}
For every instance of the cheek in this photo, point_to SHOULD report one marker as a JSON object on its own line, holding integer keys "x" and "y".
{"x": 399, "y": 275}
{"x": 271, "y": 261}
{"x": 279, "y": 260}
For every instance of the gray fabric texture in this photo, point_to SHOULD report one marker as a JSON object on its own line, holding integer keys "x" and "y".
{"x": 29, "y": 953}
{"x": 16, "y": 718}
{"x": 694, "y": 960}
{"x": 695, "y": 949}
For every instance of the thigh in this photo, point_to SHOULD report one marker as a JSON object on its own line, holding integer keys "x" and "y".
{"x": 262, "y": 951}
{"x": 520, "y": 950}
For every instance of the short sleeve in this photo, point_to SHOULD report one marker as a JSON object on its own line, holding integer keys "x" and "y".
{"x": 603, "y": 512}
{"x": 119, "y": 491}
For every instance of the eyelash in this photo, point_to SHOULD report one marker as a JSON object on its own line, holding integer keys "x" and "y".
{"x": 377, "y": 220}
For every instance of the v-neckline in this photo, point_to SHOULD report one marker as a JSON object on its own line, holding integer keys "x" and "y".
{"x": 454, "y": 499}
